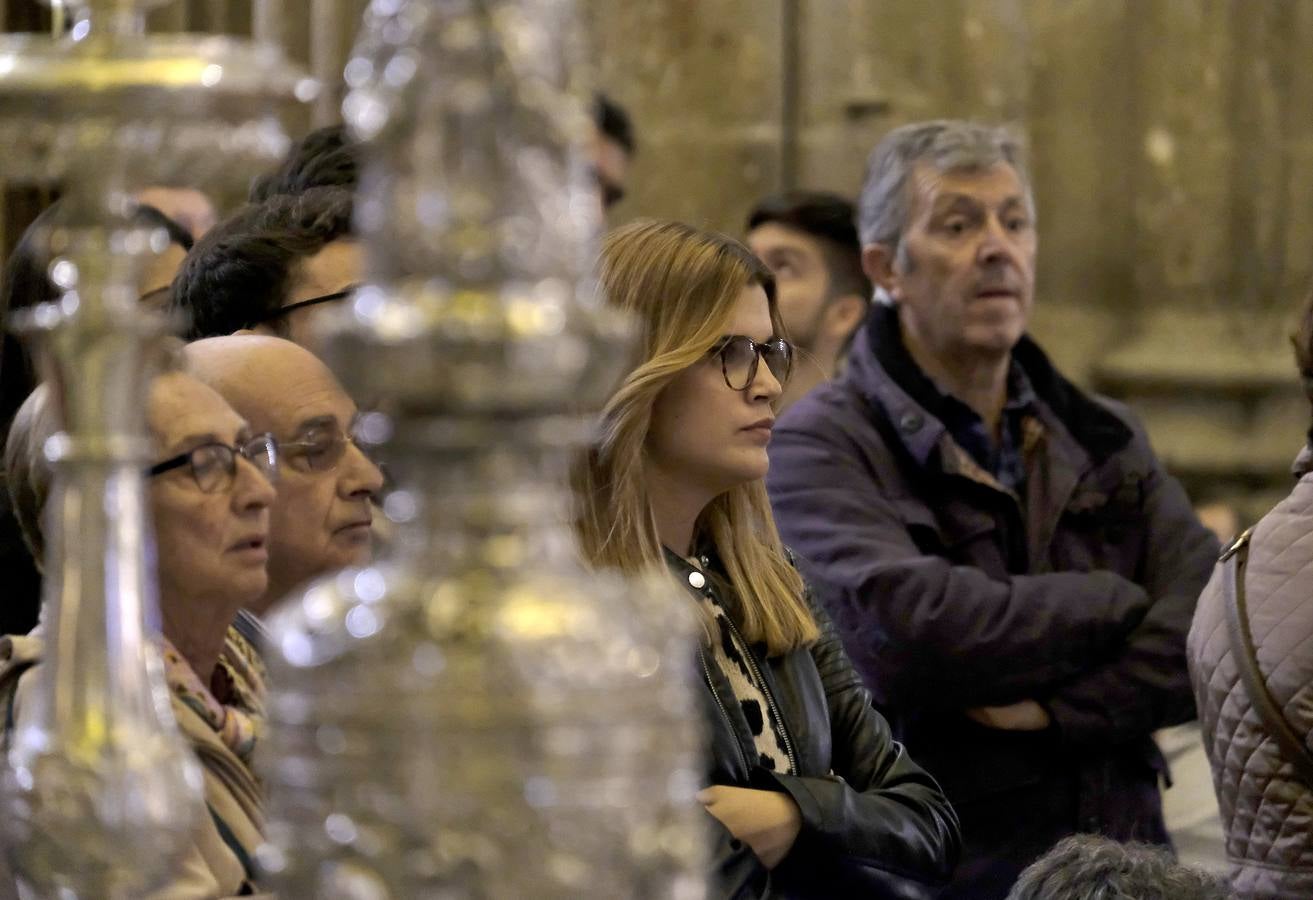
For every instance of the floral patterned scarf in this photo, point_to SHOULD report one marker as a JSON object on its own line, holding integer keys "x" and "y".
{"x": 233, "y": 703}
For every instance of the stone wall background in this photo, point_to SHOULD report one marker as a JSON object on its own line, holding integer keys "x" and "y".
{"x": 1171, "y": 143}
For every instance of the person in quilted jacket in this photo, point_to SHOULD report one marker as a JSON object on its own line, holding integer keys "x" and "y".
{"x": 1267, "y": 810}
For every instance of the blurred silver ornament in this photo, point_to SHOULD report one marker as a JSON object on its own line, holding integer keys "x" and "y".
{"x": 480, "y": 716}
{"x": 99, "y": 791}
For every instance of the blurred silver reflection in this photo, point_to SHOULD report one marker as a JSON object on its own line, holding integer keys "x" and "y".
{"x": 480, "y": 717}
{"x": 99, "y": 792}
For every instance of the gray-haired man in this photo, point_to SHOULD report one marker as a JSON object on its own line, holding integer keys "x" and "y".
{"x": 1013, "y": 569}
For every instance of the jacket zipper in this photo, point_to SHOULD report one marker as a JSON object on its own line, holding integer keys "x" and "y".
{"x": 770, "y": 698}
{"x": 711, "y": 685}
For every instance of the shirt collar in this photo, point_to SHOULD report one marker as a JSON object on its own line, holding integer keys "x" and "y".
{"x": 915, "y": 405}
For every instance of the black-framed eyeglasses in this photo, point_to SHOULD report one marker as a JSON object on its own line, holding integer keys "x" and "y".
{"x": 301, "y": 304}
{"x": 214, "y": 465}
{"x": 739, "y": 356}
{"x": 319, "y": 447}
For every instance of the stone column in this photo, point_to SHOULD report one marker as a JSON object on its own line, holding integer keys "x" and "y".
{"x": 702, "y": 82}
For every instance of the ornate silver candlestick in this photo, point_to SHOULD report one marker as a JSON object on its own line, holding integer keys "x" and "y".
{"x": 99, "y": 791}
{"x": 479, "y": 717}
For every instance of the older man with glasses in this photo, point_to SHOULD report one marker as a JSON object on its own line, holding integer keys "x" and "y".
{"x": 323, "y": 516}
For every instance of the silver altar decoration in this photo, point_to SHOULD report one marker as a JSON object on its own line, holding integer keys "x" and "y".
{"x": 479, "y": 716}
{"x": 99, "y": 790}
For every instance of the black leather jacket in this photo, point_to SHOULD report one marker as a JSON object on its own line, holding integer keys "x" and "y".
{"x": 874, "y": 824}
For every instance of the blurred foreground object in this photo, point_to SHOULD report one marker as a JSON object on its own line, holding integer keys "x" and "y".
{"x": 100, "y": 794}
{"x": 481, "y": 717}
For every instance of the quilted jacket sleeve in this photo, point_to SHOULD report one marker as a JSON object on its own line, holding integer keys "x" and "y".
{"x": 922, "y": 630}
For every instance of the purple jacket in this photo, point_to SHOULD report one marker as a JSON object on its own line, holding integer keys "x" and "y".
{"x": 952, "y": 592}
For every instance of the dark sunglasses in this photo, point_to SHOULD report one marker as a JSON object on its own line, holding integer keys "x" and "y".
{"x": 214, "y": 465}
{"x": 739, "y": 356}
{"x": 301, "y": 304}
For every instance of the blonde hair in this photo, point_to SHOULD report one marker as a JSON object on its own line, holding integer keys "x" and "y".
{"x": 680, "y": 285}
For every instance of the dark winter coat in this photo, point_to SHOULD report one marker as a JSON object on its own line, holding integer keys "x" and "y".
{"x": 951, "y": 592}
{"x": 874, "y": 824}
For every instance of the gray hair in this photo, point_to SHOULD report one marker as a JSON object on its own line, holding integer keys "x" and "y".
{"x": 949, "y": 145}
{"x": 1090, "y": 867}
{"x": 28, "y": 475}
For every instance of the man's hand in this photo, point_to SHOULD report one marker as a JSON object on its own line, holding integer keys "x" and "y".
{"x": 1024, "y": 716}
{"x": 766, "y": 821}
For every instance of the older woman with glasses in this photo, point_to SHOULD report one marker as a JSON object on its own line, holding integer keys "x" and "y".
{"x": 210, "y": 493}
{"x": 807, "y": 793}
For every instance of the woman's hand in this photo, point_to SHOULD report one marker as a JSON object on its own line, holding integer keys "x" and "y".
{"x": 1024, "y": 716}
{"x": 767, "y": 821}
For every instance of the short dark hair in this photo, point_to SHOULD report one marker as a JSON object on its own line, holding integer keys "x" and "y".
{"x": 612, "y": 120}
{"x": 25, "y": 282}
{"x": 1089, "y": 867}
{"x": 828, "y": 218}
{"x": 237, "y": 274}
{"x": 326, "y": 157}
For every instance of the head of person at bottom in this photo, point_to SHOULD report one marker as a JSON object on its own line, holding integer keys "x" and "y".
{"x": 673, "y": 479}
{"x": 1090, "y": 867}
{"x": 322, "y": 517}
{"x": 808, "y": 239}
{"x": 272, "y": 267}
{"x": 947, "y": 223}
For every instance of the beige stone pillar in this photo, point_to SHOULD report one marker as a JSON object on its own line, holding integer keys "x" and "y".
{"x": 702, "y": 83}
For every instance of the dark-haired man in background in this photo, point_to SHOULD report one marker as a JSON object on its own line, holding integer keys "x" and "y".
{"x": 330, "y": 157}
{"x": 271, "y": 267}
{"x": 612, "y": 148}
{"x": 24, "y": 283}
{"x": 326, "y": 157}
{"x": 809, "y": 241}
{"x": 156, "y": 276}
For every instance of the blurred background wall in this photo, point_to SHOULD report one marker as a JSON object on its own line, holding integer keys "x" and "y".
{"x": 1171, "y": 143}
